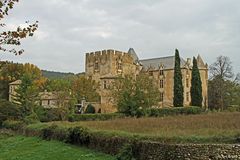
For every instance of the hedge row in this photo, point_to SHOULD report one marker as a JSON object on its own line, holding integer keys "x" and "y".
{"x": 156, "y": 112}
{"x": 127, "y": 147}
{"x": 97, "y": 116}
{"x": 75, "y": 135}
{"x": 153, "y": 112}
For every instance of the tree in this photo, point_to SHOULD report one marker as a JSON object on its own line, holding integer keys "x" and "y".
{"x": 13, "y": 37}
{"x": 61, "y": 89}
{"x": 10, "y": 72}
{"x": 178, "y": 86}
{"x": 27, "y": 94}
{"x": 221, "y": 74}
{"x": 133, "y": 94}
{"x": 85, "y": 87}
{"x": 196, "y": 85}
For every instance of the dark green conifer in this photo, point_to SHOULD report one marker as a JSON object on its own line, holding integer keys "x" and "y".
{"x": 178, "y": 86}
{"x": 196, "y": 85}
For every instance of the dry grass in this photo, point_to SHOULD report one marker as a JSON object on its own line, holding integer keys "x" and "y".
{"x": 205, "y": 125}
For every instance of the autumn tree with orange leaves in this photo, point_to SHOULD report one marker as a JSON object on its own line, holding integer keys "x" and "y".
{"x": 13, "y": 37}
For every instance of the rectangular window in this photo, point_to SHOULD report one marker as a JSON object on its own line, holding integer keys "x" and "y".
{"x": 119, "y": 65}
{"x": 161, "y": 96}
{"x": 161, "y": 72}
{"x": 96, "y": 66}
{"x": 151, "y": 73}
{"x": 187, "y": 83}
{"x": 104, "y": 84}
{"x": 161, "y": 83}
{"x": 187, "y": 96}
{"x": 48, "y": 102}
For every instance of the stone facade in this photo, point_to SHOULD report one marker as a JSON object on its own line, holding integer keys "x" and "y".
{"x": 107, "y": 65}
{"x": 12, "y": 90}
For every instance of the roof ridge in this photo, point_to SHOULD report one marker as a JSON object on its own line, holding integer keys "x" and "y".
{"x": 156, "y": 58}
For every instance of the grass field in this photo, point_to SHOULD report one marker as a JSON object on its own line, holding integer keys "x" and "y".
{"x": 31, "y": 148}
{"x": 213, "y": 127}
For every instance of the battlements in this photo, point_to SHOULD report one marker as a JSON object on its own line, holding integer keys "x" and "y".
{"x": 106, "y": 52}
{"x": 105, "y": 55}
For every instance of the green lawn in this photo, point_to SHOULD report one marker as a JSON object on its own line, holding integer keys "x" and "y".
{"x": 32, "y": 148}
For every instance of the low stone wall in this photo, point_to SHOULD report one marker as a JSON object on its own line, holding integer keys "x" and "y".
{"x": 157, "y": 151}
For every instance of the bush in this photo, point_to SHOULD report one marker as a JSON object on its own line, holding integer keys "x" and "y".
{"x": 233, "y": 109}
{"x": 54, "y": 132}
{"x": 126, "y": 153}
{"x": 78, "y": 135}
{"x": 98, "y": 116}
{"x": 160, "y": 112}
{"x": 90, "y": 109}
{"x": 14, "y": 125}
{"x": 32, "y": 118}
{"x": 9, "y": 111}
{"x": 51, "y": 114}
{"x": 48, "y": 132}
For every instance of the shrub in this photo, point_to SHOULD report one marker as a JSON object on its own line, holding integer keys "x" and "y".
{"x": 233, "y": 109}
{"x": 71, "y": 117}
{"x": 51, "y": 114}
{"x": 14, "y": 125}
{"x": 90, "y": 109}
{"x": 32, "y": 118}
{"x": 160, "y": 112}
{"x": 48, "y": 132}
{"x": 78, "y": 135}
{"x": 9, "y": 111}
{"x": 126, "y": 153}
{"x": 98, "y": 116}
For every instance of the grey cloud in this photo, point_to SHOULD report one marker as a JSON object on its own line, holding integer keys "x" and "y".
{"x": 70, "y": 28}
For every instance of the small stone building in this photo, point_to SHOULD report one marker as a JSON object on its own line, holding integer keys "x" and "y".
{"x": 12, "y": 90}
{"x": 45, "y": 99}
{"x": 107, "y": 65}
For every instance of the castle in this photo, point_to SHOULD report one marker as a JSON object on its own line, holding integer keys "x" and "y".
{"x": 106, "y": 65}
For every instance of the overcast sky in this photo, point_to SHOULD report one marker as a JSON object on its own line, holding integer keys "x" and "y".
{"x": 154, "y": 28}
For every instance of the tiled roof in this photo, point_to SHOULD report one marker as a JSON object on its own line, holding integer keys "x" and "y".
{"x": 155, "y": 63}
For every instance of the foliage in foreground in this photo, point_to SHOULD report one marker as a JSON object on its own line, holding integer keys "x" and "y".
{"x": 126, "y": 153}
{"x": 9, "y": 111}
{"x": 28, "y": 148}
{"x": 111, "y": 136}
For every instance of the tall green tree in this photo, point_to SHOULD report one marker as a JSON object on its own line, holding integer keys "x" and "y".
{"x": 133, "y": 94}
{"x": 85, "y": 87}
{"x": 27, "y": 94}
{"x": 196, "y": 85}
{"x": 178, "y": 86}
